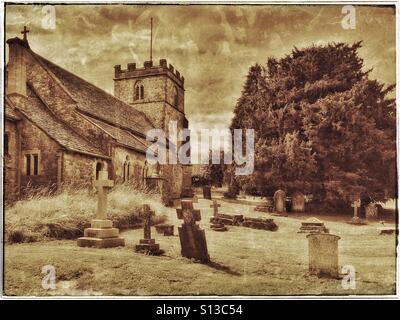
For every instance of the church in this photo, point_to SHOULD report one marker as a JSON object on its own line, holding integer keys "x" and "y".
{"x": 60, "y": 130}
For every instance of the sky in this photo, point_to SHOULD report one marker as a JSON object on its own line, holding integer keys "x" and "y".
{"x": 212, "y": 46}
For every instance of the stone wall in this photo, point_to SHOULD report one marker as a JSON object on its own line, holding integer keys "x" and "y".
{"x": 34, "y": 140}
{"x": 11, "y": 175}
{"x": 78, "y": 170}
{"x": 154, "y": 89}
{"x": 170, "y": 95}
{"x": 136, "y": 161}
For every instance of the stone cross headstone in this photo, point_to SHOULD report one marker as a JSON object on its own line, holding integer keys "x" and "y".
{"x": 298, "y": 202}
{"x": 215, "y": 205}
{"x": 102, "y": 185}
{"x": 280, "y": 201}
{"x": 192, "y": 238}
{"x": 101, "y": 234}
{"x": 356, "y": 204}
{"x": 147, "y": 213}
{"x": 216, "y": 223}
{"x": 147, "y": 244}
{"x": 356, "y": 220}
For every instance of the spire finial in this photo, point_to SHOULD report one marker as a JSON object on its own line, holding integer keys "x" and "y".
{"x": 24, "y": 32}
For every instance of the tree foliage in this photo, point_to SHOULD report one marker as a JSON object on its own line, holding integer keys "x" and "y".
{"x": 321, "y": 125}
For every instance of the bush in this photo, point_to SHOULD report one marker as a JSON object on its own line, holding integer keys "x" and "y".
{"x": 230, "y": 195}
{"x": 200, "y": 181}
{"x": 15, "y": 236}
{"x": 65, "y": 215}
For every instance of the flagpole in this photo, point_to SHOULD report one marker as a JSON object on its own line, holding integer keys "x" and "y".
{"x": 151, "y": 39}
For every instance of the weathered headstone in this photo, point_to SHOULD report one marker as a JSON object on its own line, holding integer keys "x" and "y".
{"x": 279, "y": 201}
{"x": 356, "y": 220}
{"x": 101, "y": 234}
{"x": 313, "y": 225}
{"x": 298, "y": 202}
{"x": 323, "y": 255}
{"x": 207, "y": 192}
{"x": 148, "y": 245}
{"x": 192, "y": 238}
{"x": 216, "y": 224}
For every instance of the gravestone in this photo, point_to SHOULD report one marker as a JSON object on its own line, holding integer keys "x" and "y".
{"x": 216, "y": 224}
{"x": 298, "y": 202}
{"x": 192, "y": 238}
{"x": 101, "y": 234}
{"x": 356, "y": 220}
{"x": 147, "y": 245}
{"x": 313, "y": 225}
{"x": 260, "y": 223}
{"x": 371, "y": 211}
{"x": 388, "y": 230}
{"x": 280, "y": 201}
{"x": 230, "y": 219}
{"x": 323, "y": 255}
{"x": 207, "y": 192}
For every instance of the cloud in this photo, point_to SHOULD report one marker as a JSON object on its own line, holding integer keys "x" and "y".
{"x": 212, "y": 46}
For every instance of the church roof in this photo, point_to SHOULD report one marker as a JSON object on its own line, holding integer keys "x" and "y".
{"x": 123, "y": 137}
{"x": 97, "y": 102}
{"x": 43, "y": 118}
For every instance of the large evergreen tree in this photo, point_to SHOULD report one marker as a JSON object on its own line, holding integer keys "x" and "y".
{"x": 322, "y": 126}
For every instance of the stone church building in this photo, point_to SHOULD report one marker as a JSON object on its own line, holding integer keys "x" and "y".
{"x": 60, "y": 130}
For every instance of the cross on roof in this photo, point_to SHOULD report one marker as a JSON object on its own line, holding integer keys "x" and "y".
{"x": 24, "y": 32}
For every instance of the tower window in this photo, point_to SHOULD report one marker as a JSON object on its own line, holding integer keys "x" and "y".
{"x": 176, "y": 98}
{"x": 139, "y": 91}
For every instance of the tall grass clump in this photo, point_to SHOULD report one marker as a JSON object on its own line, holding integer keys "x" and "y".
{"x": 45, "y": 214}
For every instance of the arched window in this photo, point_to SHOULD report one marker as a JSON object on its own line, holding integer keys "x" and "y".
{"x": 139, "y": 91}
{"x": 176, "y": 97}
{"x": 145, "y": 170}
{"x": 127, "y": 169}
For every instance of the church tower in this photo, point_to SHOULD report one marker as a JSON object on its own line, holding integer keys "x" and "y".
{"x": 158, "y": 91}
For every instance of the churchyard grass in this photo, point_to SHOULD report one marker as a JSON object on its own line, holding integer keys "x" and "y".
{"x": 43, "y": 215}
{"x": 244, "y": 261}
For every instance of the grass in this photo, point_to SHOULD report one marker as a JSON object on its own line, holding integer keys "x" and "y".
{"x": 44, "y": 215}
{"x": 244, "y": 262}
